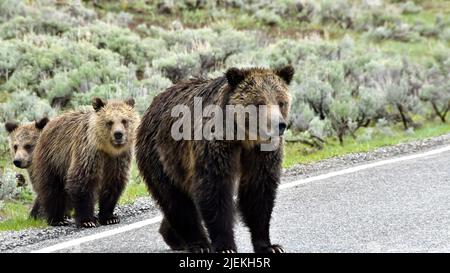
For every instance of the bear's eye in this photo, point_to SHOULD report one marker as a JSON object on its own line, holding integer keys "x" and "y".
{"x": 109, "y": 123}
{"x": 124, "y": 122}
{"x": 28, "y": 147}
{"x": 15, "y": 147}
{"x": 281, "y": 104}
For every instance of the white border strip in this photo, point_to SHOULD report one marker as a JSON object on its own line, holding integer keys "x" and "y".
{"x": 158, "y": 218}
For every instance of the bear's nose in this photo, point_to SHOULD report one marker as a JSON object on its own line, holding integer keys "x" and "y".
{"x": 118, "y": 135}
{"x": 281, "y": 128}
{"x": 17, "y": 163}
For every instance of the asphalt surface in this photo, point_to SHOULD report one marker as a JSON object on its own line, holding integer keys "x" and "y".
{"x": 400, "y": 207}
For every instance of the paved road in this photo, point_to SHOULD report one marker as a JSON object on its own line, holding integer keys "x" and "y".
{"x": 399, "y": 207}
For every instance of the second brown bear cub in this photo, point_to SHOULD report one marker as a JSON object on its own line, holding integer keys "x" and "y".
{"x": 83, "y": 156}
{"x": 22, "y": 140}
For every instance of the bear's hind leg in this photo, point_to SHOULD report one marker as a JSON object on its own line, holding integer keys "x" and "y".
{"x": 35, "y": 212}
{"x": 53, "y": 200}
{"x": 180, "y": 212}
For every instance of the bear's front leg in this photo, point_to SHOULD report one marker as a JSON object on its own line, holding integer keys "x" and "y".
{"x": 214, "y": 194}
{"x": 115, "y": 177}
{"x": 256, "y": 198}
{"x": 81, "y": 188}
{"x": 35, "y": 212}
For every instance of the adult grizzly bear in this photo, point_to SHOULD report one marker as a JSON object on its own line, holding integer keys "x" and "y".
{"x": 194, "y": 180}
{"x": 82, "y": 156}
{"x": 22, "y": 140}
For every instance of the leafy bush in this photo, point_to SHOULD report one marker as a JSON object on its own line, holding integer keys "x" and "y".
{"x": 8, "y": 185}
{"x": 438, "y": 95}
{"x": 178, "y": 66}
{"x": 409, "y": 7}
{"x": 25, "y": 106}
{"x": 339, "y": 12}
{"x": 268, "y": 17}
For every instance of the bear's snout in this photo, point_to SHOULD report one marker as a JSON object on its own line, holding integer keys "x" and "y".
{"x": 118, "y": 135}
{"x": 118, "y": 138}
{"x": 17, "y": 163}
{"x": 21, "y": 163}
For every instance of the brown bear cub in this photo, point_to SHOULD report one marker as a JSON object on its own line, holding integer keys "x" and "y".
{"x": 83, "y": 156}
{"x": 193, "y": 181}
{"x": 22, "y": 141}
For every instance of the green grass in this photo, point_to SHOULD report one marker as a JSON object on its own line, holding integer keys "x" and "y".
{"x": 15, "y": 214}
{"x": 132, "y": 192}
{"x": 296, "y": 153}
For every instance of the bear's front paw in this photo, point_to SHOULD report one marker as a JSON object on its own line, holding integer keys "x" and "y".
{"x": 226, "y": 251}
{"x": 225, "y": 247}
{"x": 110, "y": 220}
{"x": 87, "y": 223}
{"x": 270, "y": 249}
{"x": 199, "y": 248}
{"x": 59, "y": 223}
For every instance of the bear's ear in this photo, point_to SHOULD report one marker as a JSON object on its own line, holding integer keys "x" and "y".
{"x": 130, "y": 102}
{"x": 98, "y": 104}
{"x": 235, "y": 76}
{"x": 286, "y": 73}
{"x": 40, "y": 124}
{"x": 11, "y": 126}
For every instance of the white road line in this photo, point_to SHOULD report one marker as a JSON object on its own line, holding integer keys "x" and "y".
{"x": 100, "y": 235}
{"x": 363, "y": 167}
{"x": 108, "y": 233}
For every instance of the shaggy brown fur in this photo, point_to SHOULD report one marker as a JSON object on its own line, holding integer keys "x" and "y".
{"x": 194, "y": 181}
{"x": 82, "y": 156}
{"x": 22, "y": 140}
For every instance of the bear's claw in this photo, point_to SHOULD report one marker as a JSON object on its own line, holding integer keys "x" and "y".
{"x": 60, "y": 223}
{"x": 112, "y": 220}
{"x": 87, "y": 224}
{"x": 199, "y": 249}
{"x": 227, "y": 251}
{"x": 272, "y": 249}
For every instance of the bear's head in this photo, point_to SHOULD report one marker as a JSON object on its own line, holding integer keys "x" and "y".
{"x": 23, "y": 139}
{"x": 266, "y": 90}
{"x": 114, "y": 125}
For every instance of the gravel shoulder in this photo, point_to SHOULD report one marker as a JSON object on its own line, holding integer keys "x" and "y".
{"x": 12, "y": 240}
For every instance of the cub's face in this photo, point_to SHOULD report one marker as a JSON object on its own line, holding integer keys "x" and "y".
{"x": 22, "y": 140}
{"x": 267, "y": 90}
{"x": 115, "y": 126}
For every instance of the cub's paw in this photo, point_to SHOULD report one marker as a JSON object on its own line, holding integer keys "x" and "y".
{"x": 59, "y": 223}
{"x": 198, "y": 248}
{"x": 35, "y": 214}
{"x": 270, "y": 249}
{"x": 87, "y": 223}
{"x": 111, "y": 220}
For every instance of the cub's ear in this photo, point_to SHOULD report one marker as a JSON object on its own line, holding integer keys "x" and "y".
{"x": 11, "y": 126}
{"x": 98, "y": 104}
{"x": 40, "y": 124}
{"x": 130, "y": 102}
{"x": 235, "y": 76}
{"x": 286, "y": 73}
